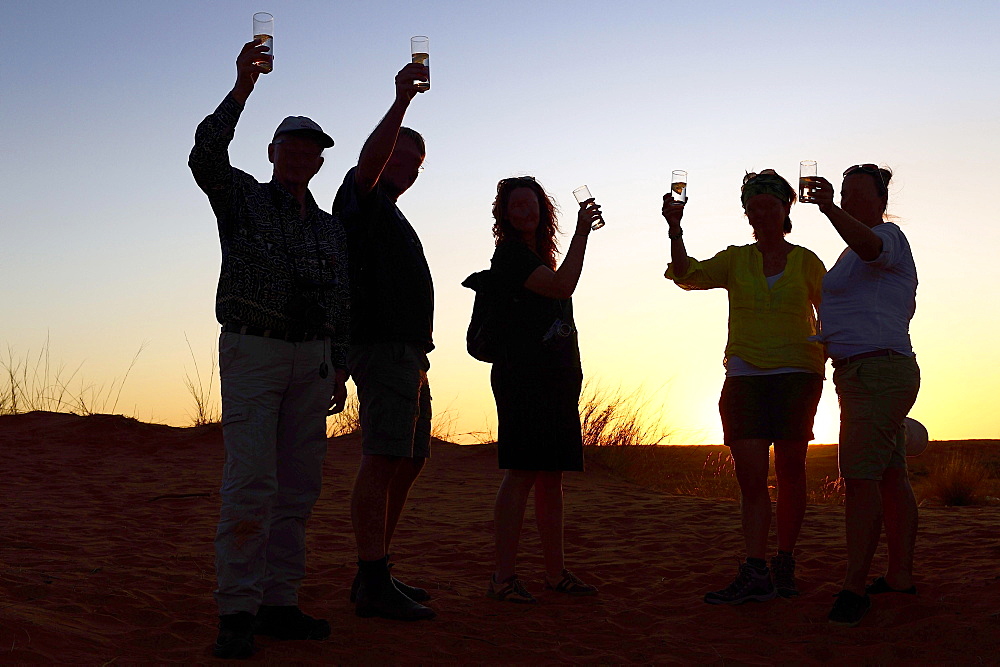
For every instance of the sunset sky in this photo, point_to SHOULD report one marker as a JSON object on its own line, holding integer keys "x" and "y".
{"x": 109, "y": 246}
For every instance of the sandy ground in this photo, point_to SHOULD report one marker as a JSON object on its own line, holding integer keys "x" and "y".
{"x": 106, "y": 557}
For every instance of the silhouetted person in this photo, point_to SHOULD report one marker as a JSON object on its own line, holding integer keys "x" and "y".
{"x": 869, "y": 297}
{"x": 774, "y": 375}
{"x": 283, "y": 304}
{"x": 537, "y": 379}
{"x": 392, "y": 313}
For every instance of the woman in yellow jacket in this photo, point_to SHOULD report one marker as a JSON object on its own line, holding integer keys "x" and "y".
{"x": 774, "y": 374}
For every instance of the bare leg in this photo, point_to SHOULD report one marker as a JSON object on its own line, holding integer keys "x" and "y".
{"x": 790, "y": 469}
{"x": 900, "y": 516}
{"x": 549, "y": 516}
{"x": 752, "y": 461}
{"x": 369, "y": 502}
{"x": 508, "y": 516}
{"x": 399, "y": 489}
{"x": 863, "y": 513}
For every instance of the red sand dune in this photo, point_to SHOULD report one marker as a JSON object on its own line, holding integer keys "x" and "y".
{"x": 106, "y": 555}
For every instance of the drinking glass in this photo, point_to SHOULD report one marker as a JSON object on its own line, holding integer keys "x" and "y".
{"x": 807, "y": 180}
{"x": 420, "y": 53}
{"x": 679, "y": 186}
{"x": 263, "y": 32}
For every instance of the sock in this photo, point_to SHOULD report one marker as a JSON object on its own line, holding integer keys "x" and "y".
{"x": 757, "y": 563}
{"x": 784, "y": 553}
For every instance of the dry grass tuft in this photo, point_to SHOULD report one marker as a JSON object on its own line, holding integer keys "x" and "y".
{"x": 347, "y": 421}
{"x": 206, "y": 409}
{"x": 830, "y": 491}
{"x": 961, "y": 480}
{"x": 716, "y": 479}
{"x": 30, "y": 384}
{"x": 616, "y": 434}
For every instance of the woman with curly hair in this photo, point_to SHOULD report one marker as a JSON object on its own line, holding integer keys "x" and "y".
{"x": 774, "y": 374}
{"x": 536, "y": 379}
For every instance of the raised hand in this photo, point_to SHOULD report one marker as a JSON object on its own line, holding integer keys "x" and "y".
{"x": 407, "y": 78}
{"x": 588, "y": 216}
{"x": 249, "y": 66}
{"x": 672, "y": 211}
{"x": 821, "y": 193}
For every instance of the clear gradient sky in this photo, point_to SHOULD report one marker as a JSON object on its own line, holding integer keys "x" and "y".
{"x": 108, "y": 245}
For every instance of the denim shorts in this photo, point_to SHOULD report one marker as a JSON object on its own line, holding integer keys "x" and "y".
{"x": 395, "y": 398}
{"x": 875, "y": 395}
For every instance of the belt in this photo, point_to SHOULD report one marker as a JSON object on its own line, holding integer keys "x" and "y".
{"x": 837, "y": 363}
{"x": 290, "y": 335}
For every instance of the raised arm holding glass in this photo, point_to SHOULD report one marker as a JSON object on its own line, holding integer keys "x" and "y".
{"x": 536, "y": 379}
{"x": 869, "y": 298}
{"x": 774, "y": 374}
{"x": 282, "y": 301}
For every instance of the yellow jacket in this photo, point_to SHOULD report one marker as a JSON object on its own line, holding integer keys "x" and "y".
{"x": 768, "y": 328}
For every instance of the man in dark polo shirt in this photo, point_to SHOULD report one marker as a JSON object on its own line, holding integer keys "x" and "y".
{"x": 392, "y": 302}
{"x": 283, "y": 302}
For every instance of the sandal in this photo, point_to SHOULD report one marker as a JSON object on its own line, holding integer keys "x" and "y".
{"x": 570, "y": 584}
{"x": 509, "y": 590}
{"x": 880, "y": 585}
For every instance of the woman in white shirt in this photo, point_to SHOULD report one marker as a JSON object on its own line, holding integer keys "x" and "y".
{"x": 869, "y": 297}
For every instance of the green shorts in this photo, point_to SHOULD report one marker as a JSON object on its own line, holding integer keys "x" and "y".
{"x": 394, "y": 397}
{"x": 875, "y": 395}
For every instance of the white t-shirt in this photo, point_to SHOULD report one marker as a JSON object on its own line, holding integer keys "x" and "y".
{"x": 868, "y": 306}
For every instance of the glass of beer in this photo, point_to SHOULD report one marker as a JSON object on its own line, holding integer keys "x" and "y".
{"x": 807, "y": 180}
{"x": 583, "y": 197}
{"x": 263, "y": 32}
{"x": 679, "y": 186}
{"x": 420, "y": 53}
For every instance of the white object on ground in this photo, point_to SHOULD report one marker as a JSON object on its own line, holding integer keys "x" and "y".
{"x": 915, "y": 436}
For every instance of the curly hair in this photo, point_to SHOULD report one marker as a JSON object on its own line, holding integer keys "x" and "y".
{"x": 546, "y": 246}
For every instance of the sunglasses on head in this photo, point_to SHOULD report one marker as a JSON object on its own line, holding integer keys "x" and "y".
{"x": 767, "y": 173}
{"x": 863, "y": 168}
{"x": 872, "y": 170}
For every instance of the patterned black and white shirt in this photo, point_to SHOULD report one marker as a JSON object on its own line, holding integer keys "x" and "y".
{"x": 278, "y": 271}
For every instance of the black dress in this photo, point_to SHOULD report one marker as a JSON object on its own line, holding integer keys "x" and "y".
{"x": 537, "y": 380}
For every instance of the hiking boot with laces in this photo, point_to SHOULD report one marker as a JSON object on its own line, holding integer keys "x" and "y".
{"x": 748, "y": 585}
{"x": 783, "y": 575}
{"x": 510, "y": 589}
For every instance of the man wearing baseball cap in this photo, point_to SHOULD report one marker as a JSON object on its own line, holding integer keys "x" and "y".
{"x": 283, "y": 303}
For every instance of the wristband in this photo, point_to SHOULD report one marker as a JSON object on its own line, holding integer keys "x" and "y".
{"x": 674, "y": 237}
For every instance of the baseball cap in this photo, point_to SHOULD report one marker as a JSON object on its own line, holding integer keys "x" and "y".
{"x": 302, "y": 124}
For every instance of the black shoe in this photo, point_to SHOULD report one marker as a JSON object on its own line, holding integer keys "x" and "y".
{"x": 235, "y": 638}
{"x": 378, "y": 596}
{"x": 748, "y": 585}
{"x": 289, "y": 622}
{"x": 412, "y": 592}
{"x": 783, "y": 575}
{"x": 879, "y": 585}
{"x": 390, "y": 603}
{"x": 849, "y": 608}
